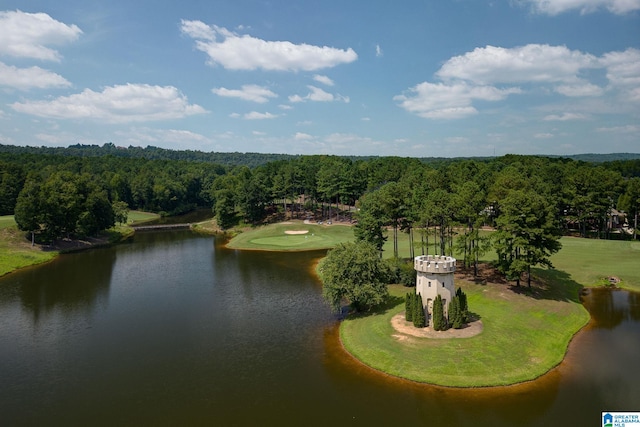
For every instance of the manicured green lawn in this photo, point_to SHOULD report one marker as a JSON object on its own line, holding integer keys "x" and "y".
{"x": 588, "y": 261}
{"x": 523, "y": 337}
{"x": 138, "y": 217}
{"x": 6, "y": 221}
{"x": 15, "y": 249}
{"x": 273, "y": 237}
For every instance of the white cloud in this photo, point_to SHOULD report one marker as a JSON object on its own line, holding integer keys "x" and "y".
{"x": 530, "y": 63}
{"x": 323, "y": 79}
{"x": 115, "y": 104}
{"x": 623, "y": 68}
{"x": 243, "y": 52}
{"x": 378, "y": 51}
{"x": 564, "y": 117}
{"x": 555, "y": 7}
{"x": 318, "y": 95}
{"x": 296, "y": 98}
{"x": 198, "y": 30}
{"x": 254, "y": 115}
{"x": 300, "y": 136}
{"x": 448, "y": 101}
{"x": 580, "y": 89}
{"x": 491, "y": 73}
{"x": 32, "y": 77}
{"x": 252, "y": 93}
{"x": 27, "y": 35}
{"x": 285, "y": 107}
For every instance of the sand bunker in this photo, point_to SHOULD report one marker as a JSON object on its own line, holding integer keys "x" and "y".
{"x": 296, "y": 232}
{"x": 403, "y": 327}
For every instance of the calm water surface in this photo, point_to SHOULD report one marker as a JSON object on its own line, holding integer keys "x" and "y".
{"x": 173, "y": 329}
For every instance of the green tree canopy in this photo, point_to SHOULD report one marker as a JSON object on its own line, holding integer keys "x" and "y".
{"x": 526, "y": 234}
{"x": 353, "y": 272}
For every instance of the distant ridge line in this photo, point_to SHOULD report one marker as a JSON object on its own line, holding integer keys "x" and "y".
{"x": 256, "y": 159}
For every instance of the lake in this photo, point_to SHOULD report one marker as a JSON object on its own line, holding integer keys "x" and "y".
{"x": 171, "y": 328}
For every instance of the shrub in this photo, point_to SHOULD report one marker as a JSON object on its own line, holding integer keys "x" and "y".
{"x": 407, "y": 274}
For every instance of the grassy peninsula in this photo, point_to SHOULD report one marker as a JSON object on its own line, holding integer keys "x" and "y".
{"x": 522, "y": 338}
{"x": 526, "y": 332}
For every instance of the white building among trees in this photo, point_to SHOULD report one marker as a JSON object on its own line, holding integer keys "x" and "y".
{"x": 435, "y": 277}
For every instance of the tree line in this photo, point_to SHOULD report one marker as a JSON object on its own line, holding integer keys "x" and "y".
{"x": 440, "y": 200}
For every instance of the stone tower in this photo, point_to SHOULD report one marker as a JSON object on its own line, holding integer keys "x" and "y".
{"x": 435, "y": 277}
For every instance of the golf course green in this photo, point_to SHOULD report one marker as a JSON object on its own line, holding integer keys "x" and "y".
{"x": 292, "y": 236}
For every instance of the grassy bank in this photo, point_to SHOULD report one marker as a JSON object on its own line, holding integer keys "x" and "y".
{"x": 16, "y": 251}
{"x": 274, "y": 237}
{"x": 522, "y": 338}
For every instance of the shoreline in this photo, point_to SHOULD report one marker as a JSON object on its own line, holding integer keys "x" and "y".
{"x": 63, "y": 246}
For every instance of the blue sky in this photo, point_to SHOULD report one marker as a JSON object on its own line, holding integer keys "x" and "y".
{"x": 411, "y": 78}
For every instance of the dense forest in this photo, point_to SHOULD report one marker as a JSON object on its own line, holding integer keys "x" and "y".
{"x": 81, "y": 190}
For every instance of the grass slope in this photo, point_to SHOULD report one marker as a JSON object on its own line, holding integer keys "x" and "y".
{"x": 273, "y": 237}
{"x": 16, "y": 251}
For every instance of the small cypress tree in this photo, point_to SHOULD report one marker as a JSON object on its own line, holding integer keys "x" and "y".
{"x": 419, "y": 318}
{"x": 408, "y": 307}
{"x": 464, "y": 308}
{"x": 437, "y": 315}
{"x": 455, "y": 315}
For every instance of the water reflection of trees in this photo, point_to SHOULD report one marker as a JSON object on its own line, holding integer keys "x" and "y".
{"x": 72, "y": 283}
{"x": 610, "y": 307}
{"x": 634, "y": 305}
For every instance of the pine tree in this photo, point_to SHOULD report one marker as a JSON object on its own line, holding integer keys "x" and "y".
{"x": 408, "y": 307}
{"x": 419, "y": 318}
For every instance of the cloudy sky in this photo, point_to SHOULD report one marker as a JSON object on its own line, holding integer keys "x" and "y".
{"x": 419, "y": 78}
